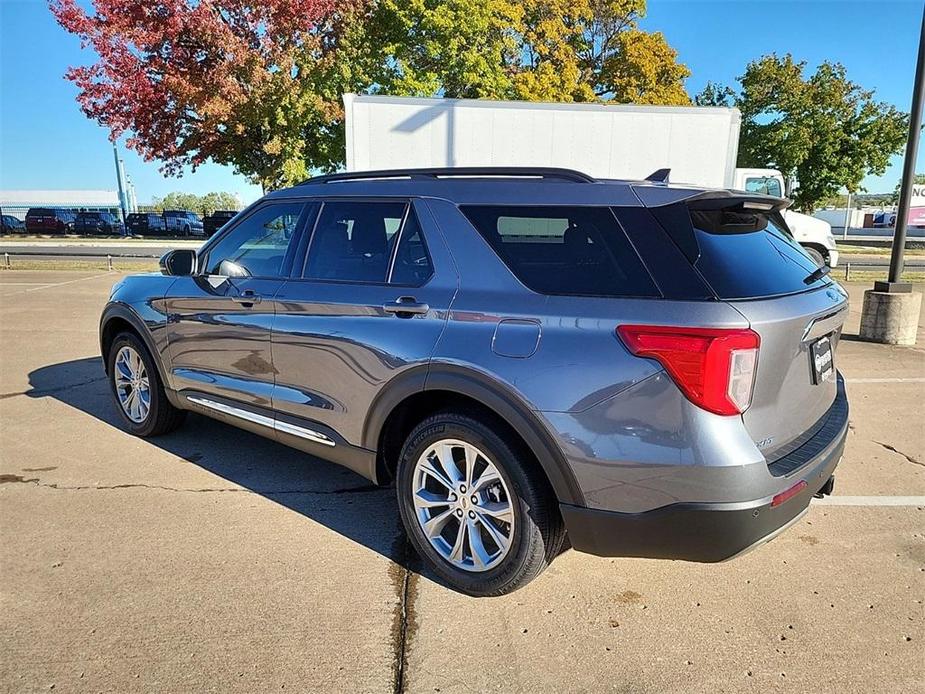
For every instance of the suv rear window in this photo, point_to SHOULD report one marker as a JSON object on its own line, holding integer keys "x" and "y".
{"x": 40, "y": 212}
{"x": 579, "y": 251}
{"x": 741, "y": 253}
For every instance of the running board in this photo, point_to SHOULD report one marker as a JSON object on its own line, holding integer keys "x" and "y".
{"x": 263, "y": 420}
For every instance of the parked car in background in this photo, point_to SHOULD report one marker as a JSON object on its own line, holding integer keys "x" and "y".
{"x": 11, "y": 224}
{"x": 217, "y": 220}
{"x": 146, "y": 224}
{"x": 45, "y": 220}
{"x": 183, "y": 223}
{"x": 526, "y": 353}
{"x": 97, "y": 223}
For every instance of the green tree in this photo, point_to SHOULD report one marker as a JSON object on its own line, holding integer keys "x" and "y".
{"x": 176, "y": 201}
{"x": 210, "y": 202}
{"x": 200, "y": 204}
{"x": 823, "y": 129}
{"x": 456, "y": 48}
{"x": 593, "y": 50}
{"x": 917, "y": 179}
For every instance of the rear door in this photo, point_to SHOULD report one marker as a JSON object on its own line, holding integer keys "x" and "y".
{"x": 368, "y": 305}
{"x": 219, "y": 320}
{"x": 751, "y": 262}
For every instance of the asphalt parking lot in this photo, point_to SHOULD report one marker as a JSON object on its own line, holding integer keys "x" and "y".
{"x": 215, "y": 560}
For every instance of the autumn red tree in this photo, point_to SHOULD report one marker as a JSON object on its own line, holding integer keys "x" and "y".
{"x": 257, "y": 84}
{"x": 190, "y": 80}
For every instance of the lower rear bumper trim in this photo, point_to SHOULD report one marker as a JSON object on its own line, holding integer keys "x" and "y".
{"x": 699, "y": 532}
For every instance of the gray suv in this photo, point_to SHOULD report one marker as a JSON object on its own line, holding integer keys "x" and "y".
{"x": 532, "y": 356}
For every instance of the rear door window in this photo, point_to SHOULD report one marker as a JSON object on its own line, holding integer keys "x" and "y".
{"x": 412, "y": 266}
{"x": 564, "y": 250}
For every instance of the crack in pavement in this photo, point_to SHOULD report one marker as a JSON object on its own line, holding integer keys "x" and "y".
{"x": 896, "y": 450}
{"x": 19, "y": 479}
{"x": 404, "y": 623}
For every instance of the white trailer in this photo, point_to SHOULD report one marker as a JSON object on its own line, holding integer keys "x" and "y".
{"x": 629, "y": 142}
{"x": 699, "y": 144}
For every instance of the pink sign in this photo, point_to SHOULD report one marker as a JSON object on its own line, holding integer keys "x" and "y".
{"x": 917, "y": 207}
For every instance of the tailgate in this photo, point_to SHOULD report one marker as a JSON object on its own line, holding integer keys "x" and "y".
{"x": 794, "y": 384}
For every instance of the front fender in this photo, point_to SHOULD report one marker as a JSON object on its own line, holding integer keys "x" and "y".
{"x": 152, "y": 330}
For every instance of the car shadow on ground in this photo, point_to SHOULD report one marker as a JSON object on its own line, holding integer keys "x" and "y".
{"x": 323, "y": 492}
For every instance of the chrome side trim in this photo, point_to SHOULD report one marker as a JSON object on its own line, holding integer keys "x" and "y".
{"x": 263, "y": 420}
{"x": 302, "y": 432}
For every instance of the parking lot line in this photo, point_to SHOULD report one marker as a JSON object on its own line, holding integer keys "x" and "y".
{"x": 53, "y": 284}
{"x": 871, "y": 501}
{"x": 885, "y": 380}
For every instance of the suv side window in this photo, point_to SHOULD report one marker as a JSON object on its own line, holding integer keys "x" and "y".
{"x": 579, "y": 251}
{"x": 257, "y": 246}
{"x": 353, "y": 241}
{"x": 412, "y": 266}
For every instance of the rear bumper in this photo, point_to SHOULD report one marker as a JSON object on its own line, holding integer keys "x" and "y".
{"x": 833, "y": 257}
{"x": 700, "y": 532}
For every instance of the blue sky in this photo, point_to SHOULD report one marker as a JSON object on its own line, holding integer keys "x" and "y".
{"x": 47, "y": 143}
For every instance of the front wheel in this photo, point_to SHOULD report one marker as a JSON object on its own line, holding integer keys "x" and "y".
{"x": 137, "y": 389}
{"x": 477, "y": 509}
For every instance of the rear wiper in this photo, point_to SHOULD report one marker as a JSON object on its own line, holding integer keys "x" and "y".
{"x": 817, "y": 274}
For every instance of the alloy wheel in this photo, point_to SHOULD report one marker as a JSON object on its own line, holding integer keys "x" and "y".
{"x": 133, "y": 389}
{"x": 463, "y": 505}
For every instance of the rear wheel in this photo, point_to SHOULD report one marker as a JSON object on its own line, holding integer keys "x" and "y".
{"x": 137, "y": 389}
{"x": 477, "y": 509}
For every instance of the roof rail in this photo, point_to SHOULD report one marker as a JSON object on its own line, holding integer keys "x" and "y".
{"x": 459, "y": 171}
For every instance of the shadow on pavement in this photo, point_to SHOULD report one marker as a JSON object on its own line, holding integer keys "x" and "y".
{"x": 321, "y": 491}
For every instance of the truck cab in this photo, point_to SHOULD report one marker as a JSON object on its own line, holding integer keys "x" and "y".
{"x": 814, "y": 235}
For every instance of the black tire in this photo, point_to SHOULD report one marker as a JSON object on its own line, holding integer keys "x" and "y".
{"x": 538, "y": 532}
{"x": 162, "y": 416}
{"x": 816, "y": 255}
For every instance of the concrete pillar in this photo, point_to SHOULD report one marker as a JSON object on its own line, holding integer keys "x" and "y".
{"x": 890, "y": 317}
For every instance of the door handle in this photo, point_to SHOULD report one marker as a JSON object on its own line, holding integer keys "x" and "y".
{"x": 247, "y": 298}
{"x": 405, "y": 307}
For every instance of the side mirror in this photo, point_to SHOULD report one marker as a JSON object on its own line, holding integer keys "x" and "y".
{"x": 229, "y": 268}
{"x": 180, "y": 262}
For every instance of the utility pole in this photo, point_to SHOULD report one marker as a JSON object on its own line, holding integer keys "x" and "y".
{"x": 897, "y": 257}
{"x": 844, "y": 234}
{"x": 891, "y": 309}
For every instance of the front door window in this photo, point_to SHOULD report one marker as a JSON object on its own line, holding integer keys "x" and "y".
{"x": 257, "y": 246}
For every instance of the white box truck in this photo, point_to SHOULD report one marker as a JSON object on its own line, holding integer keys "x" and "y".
{"x": 699, "y": 144}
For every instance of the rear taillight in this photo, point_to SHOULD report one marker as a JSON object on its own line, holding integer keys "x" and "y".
{"x": 713, "y": 367}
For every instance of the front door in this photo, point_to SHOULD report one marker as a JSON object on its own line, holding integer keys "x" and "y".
{"x": 369, "y": 304}
{"x": 219, "y": 320}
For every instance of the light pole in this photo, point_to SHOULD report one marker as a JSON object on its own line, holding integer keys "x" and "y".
{"x": 905, "y": 193}
{"x": 891, "y": 309}
{"x": 120, "y": 180}
{"x": 844, "y": 233}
